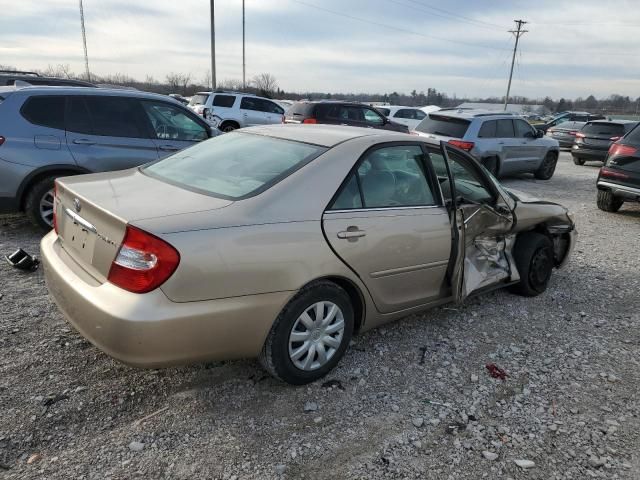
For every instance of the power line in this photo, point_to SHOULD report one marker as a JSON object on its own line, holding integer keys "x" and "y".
{"x": 456, "y": 15}
{"x": 447, "y": 17}
{"x": 518, "y": 33}
{"x": 392, "y": 27}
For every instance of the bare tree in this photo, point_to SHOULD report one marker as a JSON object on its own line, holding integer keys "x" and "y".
{"x": 230, "y": 84}
{"x": 174, "y": 80}
{"x": 265, "y": 84}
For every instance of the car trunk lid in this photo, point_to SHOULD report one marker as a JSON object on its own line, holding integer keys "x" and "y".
{"x": 92, "y": 212}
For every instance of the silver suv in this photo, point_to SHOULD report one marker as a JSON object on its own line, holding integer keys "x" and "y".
{"x": 236, "y": 110}
{"x": 50, "y": 132}
{"x": 504, "y": 143}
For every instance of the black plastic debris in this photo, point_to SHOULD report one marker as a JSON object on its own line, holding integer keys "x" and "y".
{"x": 22, "y": 261}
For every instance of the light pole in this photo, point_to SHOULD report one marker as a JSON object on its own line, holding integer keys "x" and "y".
{"x": 213, "y": 46}
{"x": 84, "y": 43}
{"x": 244, "y": 78}
{"x": 518, "y": 33}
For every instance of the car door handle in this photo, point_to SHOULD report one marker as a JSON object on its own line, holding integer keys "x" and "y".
{"x": 83, "y": 141}
{"x": 500, "y": 143}
{"x": 169, "y": 148}
{"x": 351, "y": 234}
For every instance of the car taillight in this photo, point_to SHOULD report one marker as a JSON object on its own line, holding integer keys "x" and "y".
{"x": 607, "y": 172}
{"x": 1, "y": 139}
{"x": 580, "y": 135}
{"x": 619, "y": 149}
{"x": 462, "y": 144}
{"x": 310, "y": 120}
{"x": 143, "y": 263}
{"x": 55, "y": 197}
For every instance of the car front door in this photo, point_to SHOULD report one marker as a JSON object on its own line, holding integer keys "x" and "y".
{"x": 482, "y": 221}
{"x": 107, "y": 133}
{"x": 173, "y": 128}
{"x": 389, "y": 225}
{"x": 532, "y": 148}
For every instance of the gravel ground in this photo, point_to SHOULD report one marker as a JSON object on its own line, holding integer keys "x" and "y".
{"x": 410, "y": 400}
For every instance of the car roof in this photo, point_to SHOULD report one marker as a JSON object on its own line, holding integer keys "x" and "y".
{"x": 55, "y": 90}
{"x": 471, "y": 113}
{"x": 322, "y": 135}
{"x": 615, "y": 122}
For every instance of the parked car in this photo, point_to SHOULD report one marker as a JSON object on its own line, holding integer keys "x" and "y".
{"x": 237, "y": 110}
{"x": 619, "y": 178}
{"x": 504, "y": 143}
{"x": 280, "y": 242}
{"x": 51, "y": 132}
{"x": 408, "y": 116}
{"x": 565, "y": 133}
{"x": 340, "y": 113}
{"x": 10, "y": 77}
{"x": 569, "y": 117}
{"x": 595, "y": 138}
{"x": 180, "y": 98}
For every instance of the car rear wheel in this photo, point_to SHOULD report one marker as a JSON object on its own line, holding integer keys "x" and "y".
{"x": 578, "y": 160}
{"x": 533, "y": 254}
{"x": 548, "y": 166}
{"x": 310, "y": 335}
{"x": 229, "y": 126}
{"x": 608, "y": 202}
{"x": 39, "y": 203}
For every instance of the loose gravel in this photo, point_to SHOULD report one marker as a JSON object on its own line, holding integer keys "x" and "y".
{"x": 413, "y": 399}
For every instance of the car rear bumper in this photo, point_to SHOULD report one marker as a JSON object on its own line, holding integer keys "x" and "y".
{"x": 589, "y": 153}
{"x": 149, "y": 330}
{"x": 622, "y": 191}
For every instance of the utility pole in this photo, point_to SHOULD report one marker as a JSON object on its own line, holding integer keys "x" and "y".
{"x": 518, "y": 33}
{"x": 244, "y": 78}
{"x": 84, "y": 43}
{"x": 213, "y": 46}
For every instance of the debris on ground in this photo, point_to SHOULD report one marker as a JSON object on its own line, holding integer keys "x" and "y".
{"x": 496, "y": 372}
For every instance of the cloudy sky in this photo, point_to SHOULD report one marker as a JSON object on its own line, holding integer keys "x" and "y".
{"x": 573, "y": 48}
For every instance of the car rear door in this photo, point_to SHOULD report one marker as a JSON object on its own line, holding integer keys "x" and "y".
{"x": 251, "y": 111}
{"x": 388, "y": 224}
{"x": 482, "y": 242}
{"x": 107, "y": 133}
{"x": 513, "y": 157}
{"x": 532, "y": 148}
{"x": 272, "y": 113}
{"x": 173, "y": 128}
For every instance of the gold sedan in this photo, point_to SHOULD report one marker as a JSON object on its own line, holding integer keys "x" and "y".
{"x": 281, "y": 242}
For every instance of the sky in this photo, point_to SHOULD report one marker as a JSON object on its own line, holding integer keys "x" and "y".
{"x": 462, "y": 47}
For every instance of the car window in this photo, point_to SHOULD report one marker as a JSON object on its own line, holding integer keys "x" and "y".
{"x": 467, "y": 182}
{"x": 235, "y": 165}
{"x": 345, "y": 113}
{"x": 225, "y": 101}
{"x": 199, "y": 99}
{"x": 488, "y": 129}
{"x": 173, "y": 123}
{"x": 77, "y": 118}
{"x": 581, "y": 118}
{"x": 116, "y": 117}
{"x": 272, "y": 107}
{"x": 504, "y": 129}
{"x": 249, "y": 103}
{"x": 349, "y": 196}
{"x": 389, "y": 177}
{"x": 384, "y": 111}
{"x": 444, "y": 125}
{"x": 419, "y": 114}
{"x": 45, "y": 111}
{"x": 404, "y": 113}
{"x": 373, "y": 117}
{"x": 522, "y": 128}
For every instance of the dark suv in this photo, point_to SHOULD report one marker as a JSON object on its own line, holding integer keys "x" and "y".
{"x": 340, "y": 113}
{"x": 619, "y": 178}
{"x": 569, "y": 117}
{"x": 594, "y": 139}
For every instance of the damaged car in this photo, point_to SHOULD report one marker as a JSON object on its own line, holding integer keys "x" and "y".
{"x": 281, "y": 242}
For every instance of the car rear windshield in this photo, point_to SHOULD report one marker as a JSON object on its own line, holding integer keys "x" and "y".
{"x": 603, "y": 128}
{"x": 300, "y": 109}
{"x": 235, "y": 165}
{"x": 199, "y": 99}
{"x": 633, "y": 136}
{"x": 443, "y": 125}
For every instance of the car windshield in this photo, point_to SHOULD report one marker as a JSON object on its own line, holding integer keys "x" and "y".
{"x": 235, "y": 165}
{"x": 199, "y": 99}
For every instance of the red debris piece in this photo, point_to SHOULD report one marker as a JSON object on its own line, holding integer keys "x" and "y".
{"x": 496, "y": 372}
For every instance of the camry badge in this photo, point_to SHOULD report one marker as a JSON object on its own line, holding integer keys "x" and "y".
{"x": 76, "y": 205}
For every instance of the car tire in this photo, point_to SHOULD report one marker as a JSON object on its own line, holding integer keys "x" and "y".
{"x": 533, "y": 254}
{"x": 283, "y": 354}
{"x": 548, "y": 166}
{"x": 37, "y": 202}
{"x": 607, "y": 202}
{"x": 578, "y": 160}
{"x": 228, "y": 126}
{"x": 492, "y": 164}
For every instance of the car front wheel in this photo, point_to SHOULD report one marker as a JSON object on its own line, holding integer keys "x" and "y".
{"x": 578, "y": 160}
{"x": 533, "y": 254}
{"x": 548, "y": 166}
{"x": 310, "y": 335}
{"x": 607, "y": 202}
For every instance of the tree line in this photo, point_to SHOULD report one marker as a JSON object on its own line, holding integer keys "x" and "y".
{"x": 265, "y": 84}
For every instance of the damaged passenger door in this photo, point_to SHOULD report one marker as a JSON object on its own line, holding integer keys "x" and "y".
{"x": 481, "y": 222}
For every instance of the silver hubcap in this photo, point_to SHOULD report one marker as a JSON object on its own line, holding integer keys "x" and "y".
{"x": 46, "y": 208}
{"x": 316, "y": 336}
